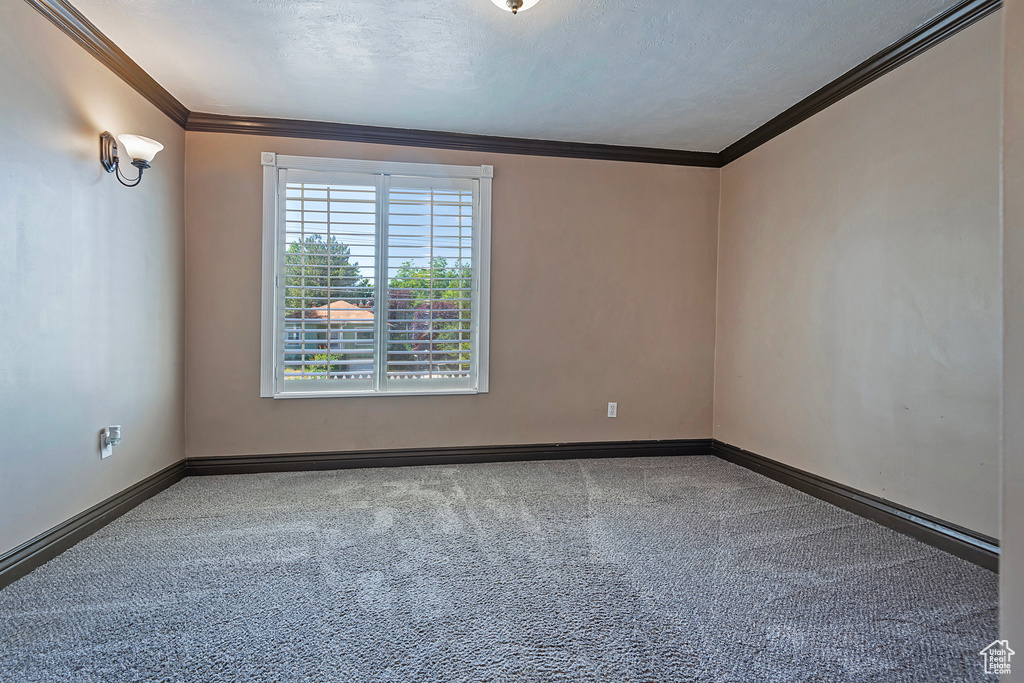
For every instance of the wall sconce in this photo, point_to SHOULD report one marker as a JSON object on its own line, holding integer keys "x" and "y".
{"x": 140, "y": 149}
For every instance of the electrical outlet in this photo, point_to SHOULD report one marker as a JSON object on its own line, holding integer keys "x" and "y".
{"x": 613, "y": 409}
{"x": 109, "y": 437}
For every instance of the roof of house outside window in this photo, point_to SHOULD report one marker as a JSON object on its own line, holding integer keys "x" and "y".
{"x": 335, "y": 311}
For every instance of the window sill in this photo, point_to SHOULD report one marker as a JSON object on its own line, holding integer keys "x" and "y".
{"x": 352, "y": 394}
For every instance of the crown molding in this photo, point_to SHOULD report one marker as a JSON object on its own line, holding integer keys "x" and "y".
{"x": 408, "y": 137}
{"x": 68, "y": 19}
{"x": 902, "y": 51}
{"x": 83, "y": 32}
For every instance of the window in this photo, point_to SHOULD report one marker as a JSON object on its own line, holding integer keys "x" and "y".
{"x": 375, "y": 278}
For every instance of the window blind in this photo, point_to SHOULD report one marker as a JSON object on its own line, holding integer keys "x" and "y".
{"x": 377, "y": 283}
{"x": 329, "y": 249}
{"x": 430, "y": 280}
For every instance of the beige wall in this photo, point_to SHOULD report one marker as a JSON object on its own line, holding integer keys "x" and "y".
{"x": 858, "y": 324}
{"x": 91, "y": 283}
{"x": 1012, "y": 560}
{"x": 859, "y": 288}
{"x": 602, "y": 289}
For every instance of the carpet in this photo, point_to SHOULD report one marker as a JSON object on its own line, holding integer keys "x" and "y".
{"x": 646, "y": 569}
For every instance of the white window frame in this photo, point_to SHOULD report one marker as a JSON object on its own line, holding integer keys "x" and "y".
{"x": 272, "y": 332}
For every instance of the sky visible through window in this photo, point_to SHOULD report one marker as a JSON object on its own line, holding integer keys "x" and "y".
{"x": 424, "y": 224}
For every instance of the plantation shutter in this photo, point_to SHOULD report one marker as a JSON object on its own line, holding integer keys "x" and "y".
{"x": 430, "y": 282}
{"x": 377, "y": 285}
{"x": 329, "y": 249}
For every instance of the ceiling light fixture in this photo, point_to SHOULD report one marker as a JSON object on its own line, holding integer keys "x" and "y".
{"x": 514, "y": 6}
{"x": 140, "y": 149}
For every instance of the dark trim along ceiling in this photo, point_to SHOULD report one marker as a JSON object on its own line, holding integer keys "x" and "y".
{"x": 71, "y": 21}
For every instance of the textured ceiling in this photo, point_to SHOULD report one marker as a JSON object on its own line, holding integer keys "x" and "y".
{"x": 679, "y": 74}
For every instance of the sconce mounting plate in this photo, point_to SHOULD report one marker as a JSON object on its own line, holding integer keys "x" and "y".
{"x": 108, "y": 152}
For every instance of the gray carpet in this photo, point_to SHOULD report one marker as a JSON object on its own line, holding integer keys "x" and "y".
{"x": 660, "y": 569}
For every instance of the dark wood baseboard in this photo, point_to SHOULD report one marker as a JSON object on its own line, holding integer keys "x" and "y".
{"x": 964, "y": 543}
{"x": 34, "y": 553}
{"x": 297, "y": 462}
{"x": 969, "y": 545}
